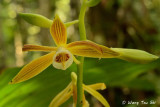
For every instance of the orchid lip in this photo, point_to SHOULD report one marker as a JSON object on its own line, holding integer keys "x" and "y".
{"x": 62, "y": 59}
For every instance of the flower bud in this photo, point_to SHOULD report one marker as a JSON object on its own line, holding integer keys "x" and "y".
{"x": 134, "y": 55}
{"x": 92, "y": 3}
{"x": 36, "y": 19}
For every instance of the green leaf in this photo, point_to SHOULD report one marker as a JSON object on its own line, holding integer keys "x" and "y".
{"x": 115, "y": 72}
{"x": 40, "y": 90}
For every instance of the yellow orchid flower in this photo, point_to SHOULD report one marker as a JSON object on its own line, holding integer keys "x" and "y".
{"x": 62, "y": 56}
{"x": 71, "y": 90}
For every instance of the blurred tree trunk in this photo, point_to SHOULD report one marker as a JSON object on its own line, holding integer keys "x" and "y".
{"x": 2, "y": 51}
{"x": 44, "y": 9}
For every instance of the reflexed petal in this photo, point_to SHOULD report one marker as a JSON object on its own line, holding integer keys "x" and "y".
{"x": 33, "y": 68}
{"x": 90, "y": 49}
{"x": 58, "y": 31}
{"x": 74, "y": 78}
{"x": 76, "y": 60}
{"x": 38, "y": 48}
{"x": 63, "y": 96}
{"x": 74, "y": 94}
{"x": 96, "y": 95}
{"x": 74, "y": 87}
{"x": 98, "y": 86}
{"x": 85, "y": 102}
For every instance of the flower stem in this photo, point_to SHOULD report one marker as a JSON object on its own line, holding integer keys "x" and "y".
{"x": 82, "y": 32}
{"x": 82, "y": 29}
{"x": 80, "y": 83}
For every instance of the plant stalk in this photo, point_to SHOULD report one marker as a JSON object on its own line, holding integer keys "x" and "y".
{"x": 82, "y": 32}
{"x": 80, "y": 82}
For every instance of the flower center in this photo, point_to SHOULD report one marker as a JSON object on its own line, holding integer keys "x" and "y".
{"x": 62, "y": 57}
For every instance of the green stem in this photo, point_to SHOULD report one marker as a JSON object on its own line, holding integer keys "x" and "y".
{"x": 82, "y": 32}
{"x": 82, "y": 29}
{"x": 80, "y": 83}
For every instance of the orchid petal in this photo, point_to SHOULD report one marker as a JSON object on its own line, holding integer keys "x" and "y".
{"x": 85, "y": 102}
{"x": 76, "y": 60}
{"x": 58, "y": 31}
{"x": 74, "y": 87}
{"x": 74, "y": 94}
{"x": 96, "y": 95}
{"x": 98, "y": 86}
{"x": 33, "y": 68}
{"x": 38, "y": 48}
{"x": 84, "y": 44}
{"x": 74, "y": 78}
{"x": 90, "y": 49}
{"x": 63, "y": 96}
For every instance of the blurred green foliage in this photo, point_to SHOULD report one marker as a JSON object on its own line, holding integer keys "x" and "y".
{"x": 39, "y": 91}
{"x": 114, "y": 23}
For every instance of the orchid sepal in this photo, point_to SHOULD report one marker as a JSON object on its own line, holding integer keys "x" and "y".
{"x": 38, "y": 48}
{"x": 33, "y": 68}
{"x": 72, "y": 88}
{"x": 58, "y": 32}
{"x": 90, "y": 49}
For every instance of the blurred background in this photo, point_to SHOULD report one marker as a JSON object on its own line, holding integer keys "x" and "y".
{"x": 113, "y": 23}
